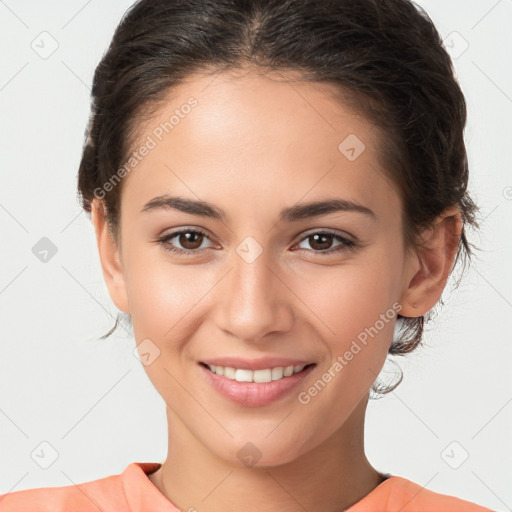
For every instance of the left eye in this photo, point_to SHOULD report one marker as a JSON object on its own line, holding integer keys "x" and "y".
{"x": 323, "y": 239}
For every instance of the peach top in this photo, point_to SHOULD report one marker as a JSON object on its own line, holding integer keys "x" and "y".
{"x": 133, "y": 491}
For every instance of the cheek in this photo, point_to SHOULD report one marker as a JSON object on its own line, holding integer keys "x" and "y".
{"x": 165, "y": 300}
{"x": 354, "y": 300}
{"x": 162, "y": 295}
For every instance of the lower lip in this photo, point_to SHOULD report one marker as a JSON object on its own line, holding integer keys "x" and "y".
{"x": 253, "y": 394}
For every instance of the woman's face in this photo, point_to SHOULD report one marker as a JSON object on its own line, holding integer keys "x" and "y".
{"x": 268, "y": 284}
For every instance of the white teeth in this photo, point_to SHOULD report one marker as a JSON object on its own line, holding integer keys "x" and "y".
{"x": 266, "y": 375}
{"x": 243, "y": 375}
{"x": 277, "y": 373}
{"x": 229, "y": 372}
{"x": 288, "y": 371}
{"x": 262, "y": 376}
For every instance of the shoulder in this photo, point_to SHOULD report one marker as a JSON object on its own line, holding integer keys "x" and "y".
{"x": 91, "y": 496}
{"x": 400, "y": 494}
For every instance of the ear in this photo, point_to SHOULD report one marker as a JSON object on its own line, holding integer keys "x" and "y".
{"x": 110, "y": 258}
{"x": 430, "y": 263}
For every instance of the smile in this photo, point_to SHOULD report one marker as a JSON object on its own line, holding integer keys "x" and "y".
{"x": 258, "y": 386}
{"x": 260, "y": 376}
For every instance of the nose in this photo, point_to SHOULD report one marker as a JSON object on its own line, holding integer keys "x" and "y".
{"x": 254, "y": 300}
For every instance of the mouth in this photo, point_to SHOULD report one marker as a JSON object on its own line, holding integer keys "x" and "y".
{"x": 260, "y": 376}
{"x": 255, "y": 387}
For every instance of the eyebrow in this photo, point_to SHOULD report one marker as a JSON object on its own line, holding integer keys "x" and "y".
{"x": 291, "y": 214}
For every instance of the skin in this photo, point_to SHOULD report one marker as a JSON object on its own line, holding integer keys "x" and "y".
{"x": 252, "y": 146}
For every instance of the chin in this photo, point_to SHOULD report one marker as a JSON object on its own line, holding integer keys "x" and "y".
{"x": 260, "y": 452}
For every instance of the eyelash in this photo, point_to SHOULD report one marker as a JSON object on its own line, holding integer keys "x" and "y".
{"x": 346, "y": 244}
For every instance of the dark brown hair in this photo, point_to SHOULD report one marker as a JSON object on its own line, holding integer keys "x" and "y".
{"x": 384, "y": 57}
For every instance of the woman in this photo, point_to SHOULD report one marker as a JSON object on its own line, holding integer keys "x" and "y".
{"x": 279, "y": 195}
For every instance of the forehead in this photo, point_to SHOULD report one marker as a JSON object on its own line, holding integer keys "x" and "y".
{"x": 264, "y": 138}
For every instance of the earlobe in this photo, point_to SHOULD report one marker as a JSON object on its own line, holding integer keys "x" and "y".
{"x": 109, "y": 257}
{"x": 430, "y": 264}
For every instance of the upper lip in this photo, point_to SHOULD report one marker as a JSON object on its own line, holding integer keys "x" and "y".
{"x": 255, "y": 364}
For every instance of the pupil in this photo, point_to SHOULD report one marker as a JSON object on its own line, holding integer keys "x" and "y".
{"x": 324, "y": 237}
{"x": 189, "y": 239}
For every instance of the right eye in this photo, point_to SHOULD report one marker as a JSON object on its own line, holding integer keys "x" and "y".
{"x": 190, "y": 239}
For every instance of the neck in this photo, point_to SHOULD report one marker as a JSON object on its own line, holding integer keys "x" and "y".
{"x": 331, "y": 477}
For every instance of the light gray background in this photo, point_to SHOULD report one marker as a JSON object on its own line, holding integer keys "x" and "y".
{"x": 91, "y": 400}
